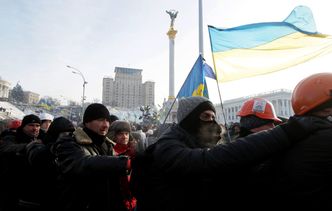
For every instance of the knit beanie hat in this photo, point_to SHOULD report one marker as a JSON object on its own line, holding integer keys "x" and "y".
{"x": 95, "y": 111}
{"x": 252, "y": 121}
{"x": 187, "y": 105}
{"x": 59, "y": 125}
{"x": 31, "y": 118}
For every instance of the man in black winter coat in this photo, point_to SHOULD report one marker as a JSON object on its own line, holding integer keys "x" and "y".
{"x": 89, "y": 173}
{"x": 18, "y": 179}
{"x": 42, "y": 161}
{"x": 184, "y": 170}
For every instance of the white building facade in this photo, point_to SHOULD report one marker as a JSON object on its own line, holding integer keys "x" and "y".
{"x": 281, "y": 100}
{"x": 31, "y": 97}
{"x": 4, "y": 89}
{"x": 126, "y": 89}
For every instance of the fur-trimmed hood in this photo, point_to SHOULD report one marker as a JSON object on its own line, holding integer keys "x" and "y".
{"x": 83, "y": 138}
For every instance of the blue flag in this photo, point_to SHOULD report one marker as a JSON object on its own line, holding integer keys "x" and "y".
{"x": 195, "y": 83}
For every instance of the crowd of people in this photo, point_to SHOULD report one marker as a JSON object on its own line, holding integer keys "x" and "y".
{"x": 105, "y": 163}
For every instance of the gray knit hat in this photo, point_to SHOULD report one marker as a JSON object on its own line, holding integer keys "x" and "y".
{"x": 187, "y": 105}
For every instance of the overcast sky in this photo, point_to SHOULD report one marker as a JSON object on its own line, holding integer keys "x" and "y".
{"x": 40, "y": 37}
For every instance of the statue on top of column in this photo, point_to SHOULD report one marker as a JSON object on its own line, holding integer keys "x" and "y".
{"x": 172, "y": 14}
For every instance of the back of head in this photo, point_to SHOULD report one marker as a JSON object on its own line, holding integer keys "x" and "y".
{"x": 113, "y": 118}
{"x": 59, "y": 125}
{"x": 95, "y": 111}
{"x": 312, "y": 93}
{"x": 46, "y": 116}
{"x": 260, "y": 108}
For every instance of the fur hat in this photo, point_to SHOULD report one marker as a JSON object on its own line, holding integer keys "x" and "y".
{"x": 31, "y": 118}
{"x": 118, "y": 126}
{"x": 189, "y": 104}
{"x": 95, "y": 111}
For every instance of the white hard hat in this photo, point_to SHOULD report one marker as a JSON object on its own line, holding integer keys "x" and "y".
{"x": 46, "y": 116}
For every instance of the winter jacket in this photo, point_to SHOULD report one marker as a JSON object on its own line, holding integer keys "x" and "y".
{"x": 89, "y": 173}
{"x": 301, "y": 177}
{"x": 42, "y": 160}
{"x": 174, "y": 174}
{"x": 22, "y": 182}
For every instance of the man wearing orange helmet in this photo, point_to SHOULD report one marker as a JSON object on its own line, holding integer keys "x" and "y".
{"x": 257, "y": 114}
{"x": 301, "y": 178}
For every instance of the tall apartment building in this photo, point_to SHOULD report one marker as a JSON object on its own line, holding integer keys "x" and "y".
{"x": 281, "y": 100}
{"x": 126, "y": 89}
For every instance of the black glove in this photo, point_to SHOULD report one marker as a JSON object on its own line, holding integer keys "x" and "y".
{"x": 299, "y": 127}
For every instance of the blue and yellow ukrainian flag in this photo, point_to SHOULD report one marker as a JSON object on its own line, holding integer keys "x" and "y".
{"x": 195, "y": 83}
{"x": 262, "y": 48}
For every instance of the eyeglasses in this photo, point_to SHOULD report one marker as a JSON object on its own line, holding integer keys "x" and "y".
{"x": 207, "y": 116}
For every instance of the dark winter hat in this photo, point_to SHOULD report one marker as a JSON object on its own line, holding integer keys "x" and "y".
{"x": 95, "y": 111}
{"x": 189, "y": 104}
{"x": 31, "y": 118}
{"x": 113, "y": 118}
{"x": 252, "y": 121}
{"x": 59, "y": 125}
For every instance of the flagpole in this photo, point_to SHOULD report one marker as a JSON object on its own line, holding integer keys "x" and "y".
{"x": 221, "y": 104}
{"x": 201, "y": 52}
{"x": 200, "y": 27}
{"x": 222, "y": 111}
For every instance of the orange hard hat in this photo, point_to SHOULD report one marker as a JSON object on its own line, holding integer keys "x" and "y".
{"x": 312, "y": 92}
{"x": 14, "y": 124}
{"x": 259, "y": 107}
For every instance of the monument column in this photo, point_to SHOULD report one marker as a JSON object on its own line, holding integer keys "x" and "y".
{"x": 171, "y": 35}
{"x": 170, "y": 106}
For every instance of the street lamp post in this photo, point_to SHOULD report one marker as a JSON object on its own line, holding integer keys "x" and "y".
{"x": 77, "y": 71}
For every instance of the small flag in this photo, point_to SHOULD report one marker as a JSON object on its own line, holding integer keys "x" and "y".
{"x": 195, "y": 84}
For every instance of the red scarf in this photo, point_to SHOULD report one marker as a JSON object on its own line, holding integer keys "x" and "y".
{"x": 129, "y": 201}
